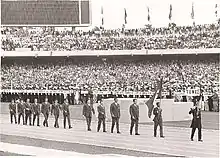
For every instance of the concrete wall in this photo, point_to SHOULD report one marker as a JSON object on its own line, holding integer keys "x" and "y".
{"x": 172, "y": 111}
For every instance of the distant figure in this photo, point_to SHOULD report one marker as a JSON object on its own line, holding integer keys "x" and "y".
{"x": 56, "y": 111}
{"x": 158, "y": 120}
{"x": 196, "y": 121}
{"x": 12, "y": 109}
{"x": 215, "y": 99}
{"x": 134, "y": 112}
{"x": 21, "y": 108}
{"x": 28, "y": 112}
{"x": 115, "y": 114}
{"x": 87, "y": 112}
{"x": 101, "y": 115}
{"x": 45, "y": 109}
{"x": 36, "y": 112}
{"x": 66, "y": 113}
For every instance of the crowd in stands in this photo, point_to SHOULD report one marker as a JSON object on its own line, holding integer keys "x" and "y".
{"x": 50, "y": 39}
{"x": 117, "y": 75}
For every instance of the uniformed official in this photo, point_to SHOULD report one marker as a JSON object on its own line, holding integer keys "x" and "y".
{"x": 134, "y": 112}
{"x": 45, "y": 109}
{"x": 28, "y": 112}
{"x": 36, "y": 112}
{"x": 158, "y": 120}
{"x": 115, "y": 114}
{"x": 12, "y": 109}
{"x": 101, "y": 115}
{"x": 21, "y": 108}
{"x": 87, "y": 112}
{"x": 56, "y": 111}
{"x": 66, "y": 113}
{"x": 196, "y": 121}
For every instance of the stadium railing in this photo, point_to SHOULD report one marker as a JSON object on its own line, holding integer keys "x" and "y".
{"x": 28, "y": 52}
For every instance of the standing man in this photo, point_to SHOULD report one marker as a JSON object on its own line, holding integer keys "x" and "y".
{"x": 158, "y": 120}
{"x": 12, "y": 109}
{"x": 66, "y": 113}
{"x": 115, "y": 114}
{"x": 45, "y": 109}
{"x": 28, "y": 112}
{"x": 87, "y": 112}
{"x": 134, "y": 112}
{"x": 36, "y": 112}
{"x": 21, "y": 108}
{"x": 196, "y": 121}
{"x": 101, "y": 115}
{"x": 56, "y": 111}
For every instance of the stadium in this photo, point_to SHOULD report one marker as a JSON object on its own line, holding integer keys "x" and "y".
{"x": 73, "y": 52}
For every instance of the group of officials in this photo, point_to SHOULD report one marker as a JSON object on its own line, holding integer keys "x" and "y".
{"x": 27, "y": 109}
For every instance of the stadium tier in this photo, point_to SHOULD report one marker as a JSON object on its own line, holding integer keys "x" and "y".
{"x": 149, "y": 38}
{"x": 122, "y": 73}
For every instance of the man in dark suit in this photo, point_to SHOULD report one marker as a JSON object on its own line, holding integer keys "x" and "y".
{"x": 87, "y": 112}
{"x": 115, "y": 114}
{"x": 158, "y": 120}
{"x": 101, "y": 115}
{"x": 28, "y": 112}
{"x": 134, "y": 112}
{"x": 196, "y": 121}
{"x": 21, "y": 108}
{"x": 66, "y": 113}
{"x": 36, "y": 112}
{"x": 12, "y": 109}
{"x": 56, "y": 111}
{"x": 45, "y": 109}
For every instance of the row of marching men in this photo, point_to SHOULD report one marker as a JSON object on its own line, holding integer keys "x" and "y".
{"x": 26, "y": 109}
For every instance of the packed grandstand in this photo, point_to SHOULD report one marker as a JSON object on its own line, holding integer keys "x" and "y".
{"x": 49, "y": 39}
{"x": 112, "y": 75}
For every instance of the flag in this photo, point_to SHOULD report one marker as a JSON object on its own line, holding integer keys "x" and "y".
{"x": 125, "y": 17}
{"x": 148, "y": 17}
{"x": 170, "y": 14}
{"x": 102, "y": 16}
{"x": 160, "y": 88}
{"x": 216, "y": 10}
{"x": 192, "y": 13}
{"x": 150, "y": 102}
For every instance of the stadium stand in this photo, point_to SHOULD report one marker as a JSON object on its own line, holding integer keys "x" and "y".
{"x": 48, "y": 39}
{"x": 108, "y": 74}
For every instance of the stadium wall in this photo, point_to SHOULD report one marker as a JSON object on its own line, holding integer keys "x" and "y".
{"x": 27, "y": 52}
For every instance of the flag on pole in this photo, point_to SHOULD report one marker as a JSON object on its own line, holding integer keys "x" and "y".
{"x": 102, "y": 16}
{"x": 160, "y": 88}
{"x": 148, "y": 17}
{"x": 192, "y": 13}
{"x": 125, "y": 16}
{"x": 170, "y": 14}
{"x": 150, "y": 102}
{"x": 216, "y": 10}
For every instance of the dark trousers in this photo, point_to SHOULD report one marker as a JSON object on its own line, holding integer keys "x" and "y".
{"x": 134, "y": 122}
{"x": 88, "y": 122}
{"x": 199, "y": 133}
{"x": 11, "y": 116}
{"x": 19, "y": 118}
{"x": 28, "y": 116}
{"x": 115, "y": 120}
{"x": 56, "y": 124}
{"x": 36, "y": 115}
{"x": 101, "y": 120}
{"x": 46, "y": 115}
{"x": 156, "y": 123}
{"x": 66, "y": 117}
